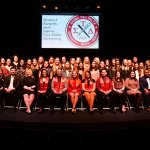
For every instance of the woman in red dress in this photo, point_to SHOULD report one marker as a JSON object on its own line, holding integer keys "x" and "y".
{"x": 74, "y": 89}
{"x": 88, "y": 87}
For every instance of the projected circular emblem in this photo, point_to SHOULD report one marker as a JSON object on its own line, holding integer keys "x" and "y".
{"x": 82, "y": 31}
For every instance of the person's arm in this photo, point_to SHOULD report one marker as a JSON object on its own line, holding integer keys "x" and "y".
{"x": 38, "y": 86}
{"x": 113, "y": 85}
{"x": 6, "y": 83}
{"x": 98, "y": 74}
{"x": 79, "y": 89}
{"x": 51, "y": 75}
{"x": 52, "y": 86}
{"x": 94, "y": 87}
{"x": 123, "y": 85}
{"x": 141, "y": 83}
{"x": 138, "y": 85}
{"x": 35, "y": 84}
{"x": 127, "y": 84}
{"x": 18, "y": 82}
{"x": 49, "y": 86}
{"x": 69, "y": 87}
{"x": 98, "y": 85}
{"x": 65, "y": 87}
{"x": 110, "y": 86}
{"x": 83, "y": 85}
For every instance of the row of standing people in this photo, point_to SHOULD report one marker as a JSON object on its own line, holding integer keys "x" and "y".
{"x": 94, "y": 67}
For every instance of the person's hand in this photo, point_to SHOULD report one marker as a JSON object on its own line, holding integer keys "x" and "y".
{"x": 146, "y": 91}
{"x": 106, "y": 92}
{"x": 60, "y": 92}
{"x": 31, "y": 89}
{"x": 41, "y": 91}
{"x": 119, "y": 91}
{"x": 74, "y": 91}
{"x": 133, "y": 89}
{"x": 1, "y": 88}
{"x": 9, "y": 90}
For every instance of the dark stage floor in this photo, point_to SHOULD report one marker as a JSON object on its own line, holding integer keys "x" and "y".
{"x": 63, "y": 130}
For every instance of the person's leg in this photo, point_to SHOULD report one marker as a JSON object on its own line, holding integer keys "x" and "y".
{"x": 92, "y": 98}
{"x": 26, "y": 101}
{"x": 100, "y": 101}
{"x": 31, "y": 99}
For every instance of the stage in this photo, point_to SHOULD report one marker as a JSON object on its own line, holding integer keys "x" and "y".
{"x": 63, "y": 130}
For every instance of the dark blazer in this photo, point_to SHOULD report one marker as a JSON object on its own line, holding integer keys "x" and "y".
{"x": 143, "y": 83}
{"x": 16, "y": 82}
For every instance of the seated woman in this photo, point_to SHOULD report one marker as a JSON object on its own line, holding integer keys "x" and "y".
{"x": 74, "y": 89}
{"x": 132, "y": 89}
{"x": 29, "y": 84}
{"x": 88, "y": 87}
{"x": 44, "y": 86}
{"x": 118, "y": 91}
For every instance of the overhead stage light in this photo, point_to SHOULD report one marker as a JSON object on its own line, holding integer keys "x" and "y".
{"x": 44, "y": 6}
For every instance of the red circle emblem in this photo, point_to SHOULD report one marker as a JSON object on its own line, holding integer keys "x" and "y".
{"x": 82, "y": 31}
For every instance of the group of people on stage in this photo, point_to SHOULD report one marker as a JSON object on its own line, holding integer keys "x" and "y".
{"x": 51, "y": 82}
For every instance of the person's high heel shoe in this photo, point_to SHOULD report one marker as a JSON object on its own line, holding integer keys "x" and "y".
{"x": 123, "y": 109}
{"x": 28, "y": 112}
{"x": 74, "y": 111}
{"x": 40, "y": 110}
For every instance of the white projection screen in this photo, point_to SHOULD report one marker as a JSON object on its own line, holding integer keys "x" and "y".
{"x": 70, "y": 31}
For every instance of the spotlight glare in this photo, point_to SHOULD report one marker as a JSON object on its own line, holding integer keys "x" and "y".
{"x": 98, "y": 6}
{"x": 44, "y": 6}
{"x": 56, "y": 7}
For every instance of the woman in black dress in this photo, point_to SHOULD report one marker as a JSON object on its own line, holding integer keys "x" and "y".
{"x": 29, "y": 84}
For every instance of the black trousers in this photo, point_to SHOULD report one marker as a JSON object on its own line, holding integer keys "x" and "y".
{"x": 58, "y": 100}
{"x": 42, "y": 100}
{"x": 12, "y": 98}
{"x": 119, "y": 98}
{"x": 146, "y": 100}
{"x": 135, "y": 100}
{"x": 1, "y": 98}
{"x": 104, "y": 100}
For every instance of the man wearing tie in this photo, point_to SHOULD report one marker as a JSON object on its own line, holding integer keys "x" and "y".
{"x": 145, "y": 88}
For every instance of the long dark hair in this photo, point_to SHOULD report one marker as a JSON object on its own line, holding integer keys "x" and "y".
{"x": 116, "y": 78}
{"x": 135, "y": 79}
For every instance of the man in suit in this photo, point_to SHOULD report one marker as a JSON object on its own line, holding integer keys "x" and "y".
{"x": 11, "y": 85}
{"x": 145, "y": 88}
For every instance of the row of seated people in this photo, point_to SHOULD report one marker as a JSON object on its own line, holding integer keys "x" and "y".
{"x": 113, "y": 91}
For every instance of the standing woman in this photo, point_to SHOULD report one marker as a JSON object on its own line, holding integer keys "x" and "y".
{"x": 29, "y": 84}
{"x": 74, "y": 89}
{"x": 88, "y": 87}
{"x": 95, "y": 73}
{"x": 86, "y": 65}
